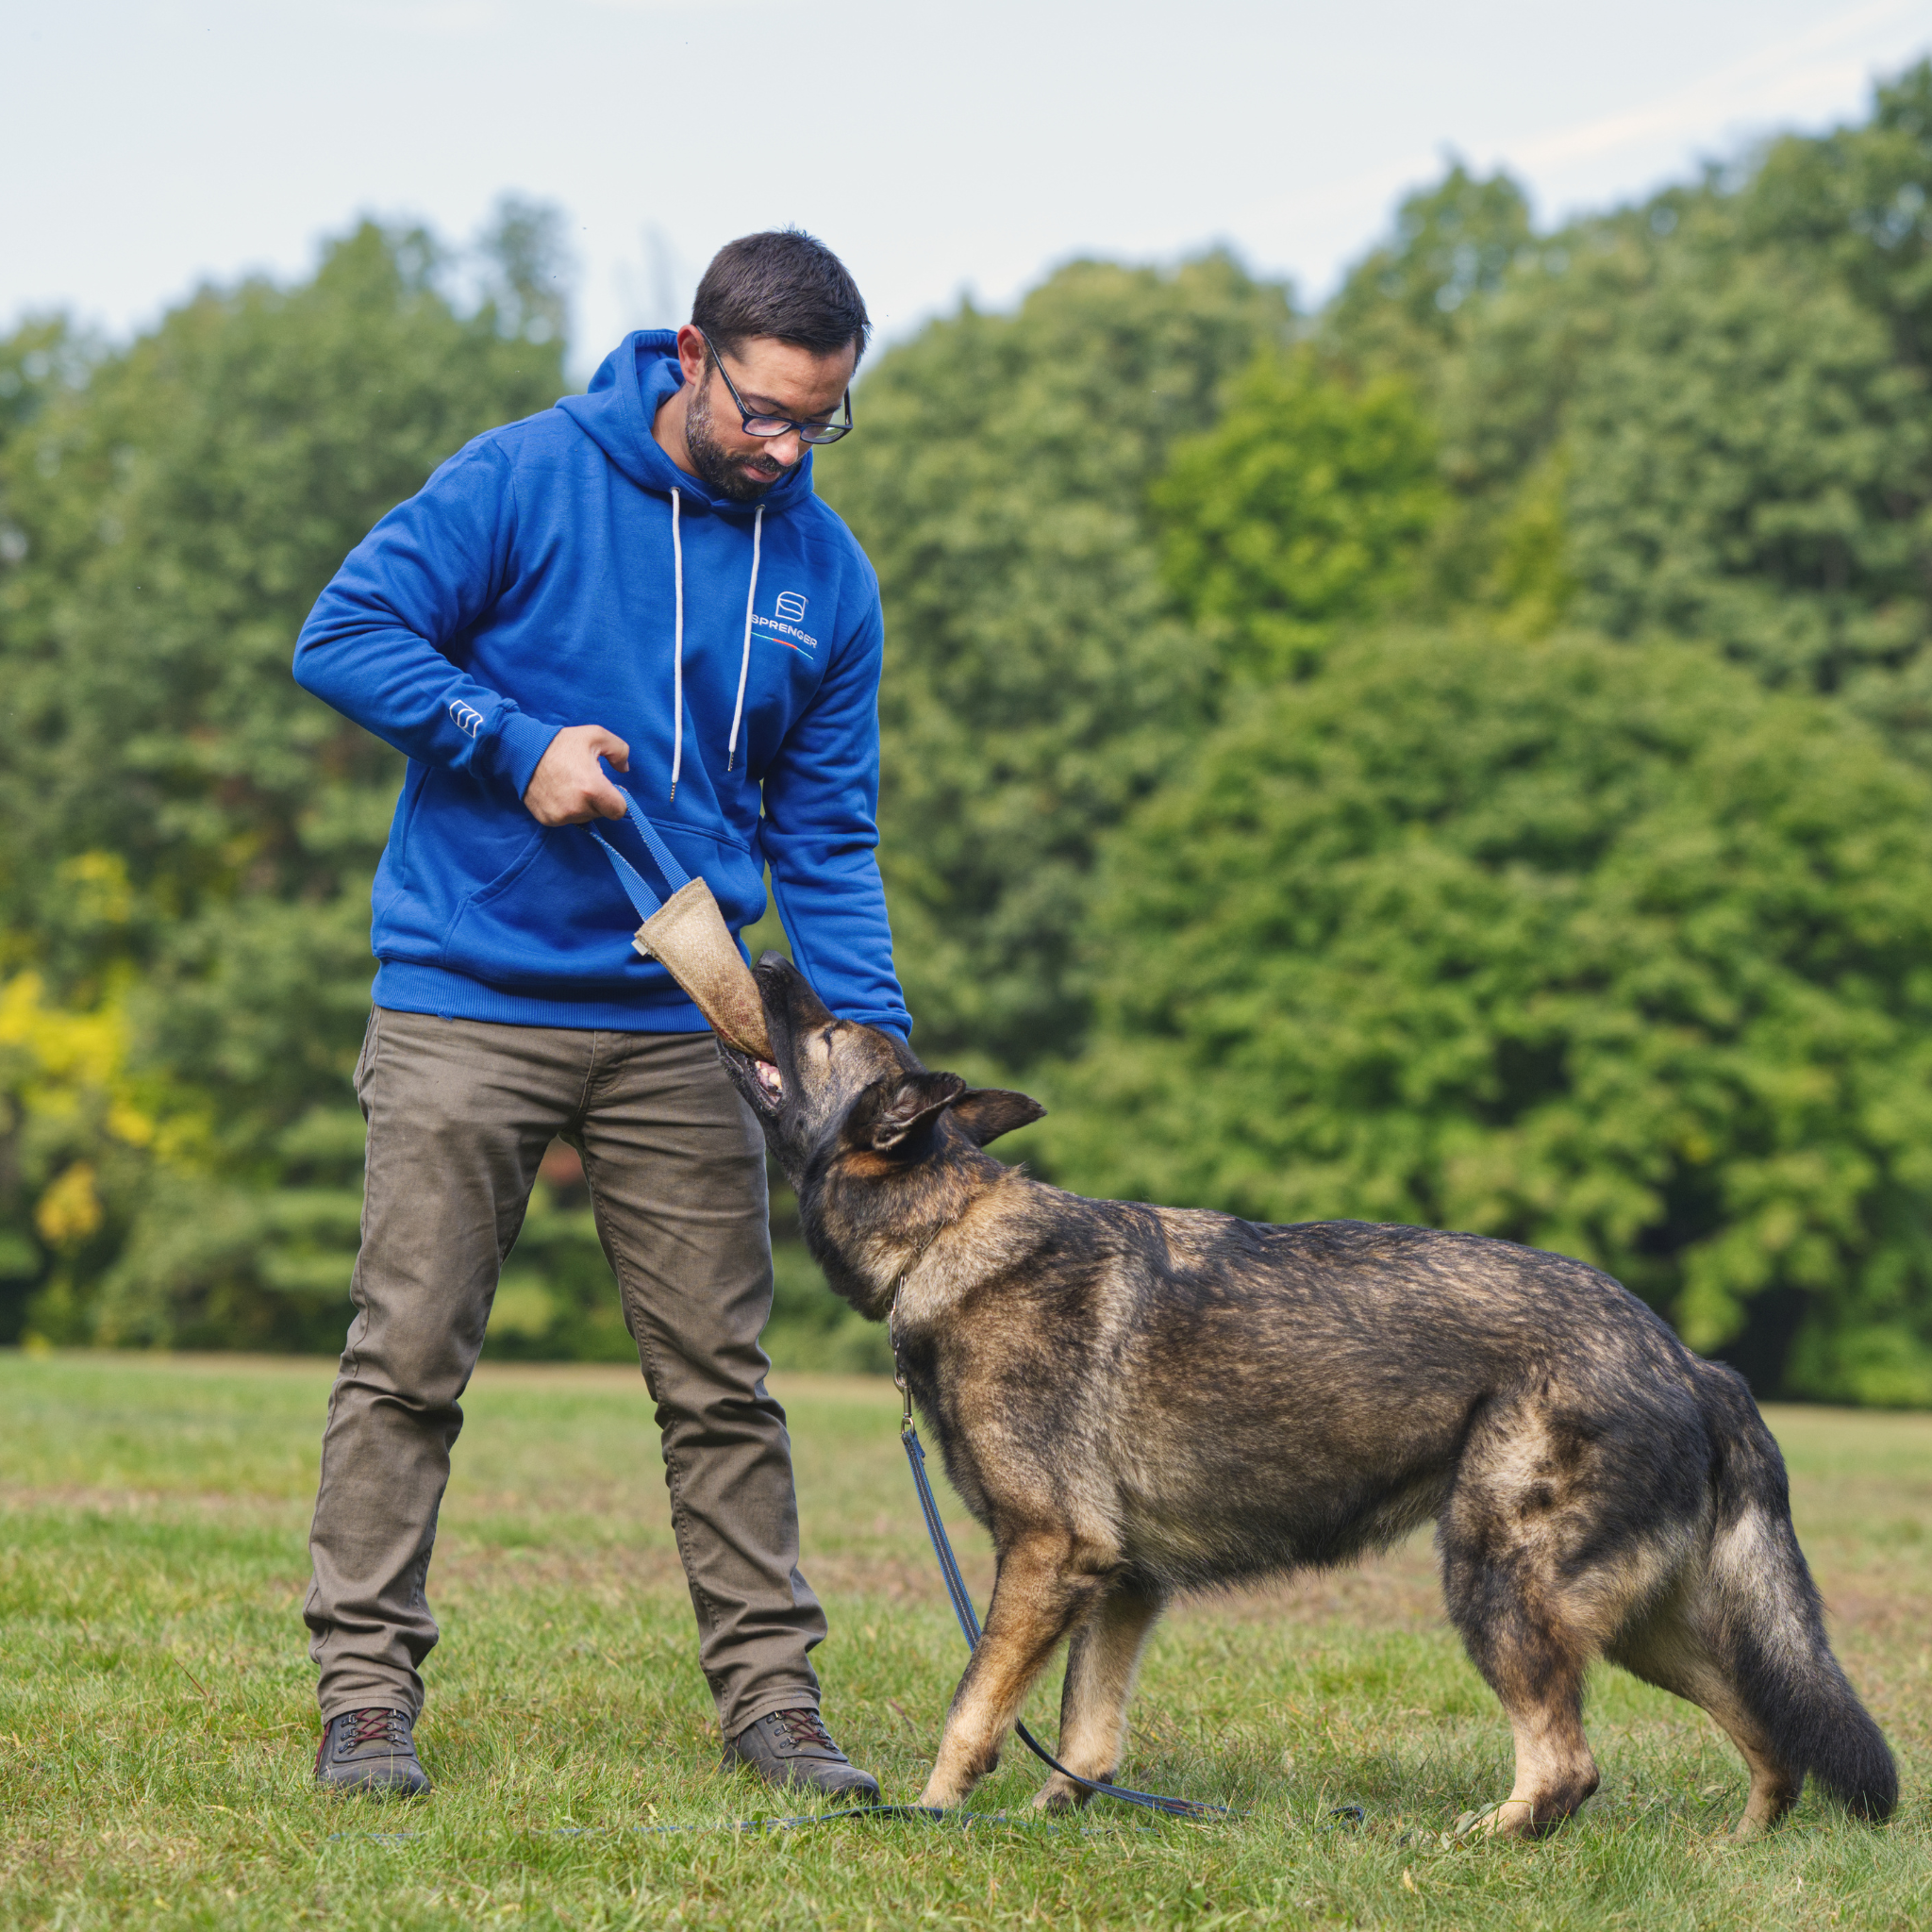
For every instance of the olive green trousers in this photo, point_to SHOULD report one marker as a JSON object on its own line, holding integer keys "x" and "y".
{"x": 459, "y": 1113}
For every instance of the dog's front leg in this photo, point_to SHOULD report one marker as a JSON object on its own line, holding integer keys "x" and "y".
{"x": 1041, "y": 1590}
{"x": 1101, "y": 1666}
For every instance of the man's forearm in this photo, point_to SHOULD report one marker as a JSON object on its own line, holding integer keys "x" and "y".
{"x": 371, "y": 646}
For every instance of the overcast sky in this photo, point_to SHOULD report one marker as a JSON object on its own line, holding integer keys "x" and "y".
{"x": 148, "y": 144}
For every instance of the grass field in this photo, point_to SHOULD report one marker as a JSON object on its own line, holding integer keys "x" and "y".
{"x": 157, "y": 1721}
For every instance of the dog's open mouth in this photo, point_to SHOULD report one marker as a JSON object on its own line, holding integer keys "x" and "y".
{"x": 766, "y": 1082}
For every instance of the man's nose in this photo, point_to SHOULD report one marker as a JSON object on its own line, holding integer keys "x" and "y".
{"x": 787, "y": 449}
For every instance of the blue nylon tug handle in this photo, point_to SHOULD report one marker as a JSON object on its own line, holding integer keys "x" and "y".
{"x": 643, "y": 899}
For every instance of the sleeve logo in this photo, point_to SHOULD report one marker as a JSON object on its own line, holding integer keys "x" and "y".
{"x": 469, "y": 721}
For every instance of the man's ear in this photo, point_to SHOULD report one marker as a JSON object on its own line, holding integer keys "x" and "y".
{"x": 987, "y": 1113}
{"x": 910, "y": 1104}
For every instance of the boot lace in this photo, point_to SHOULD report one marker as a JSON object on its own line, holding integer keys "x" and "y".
{"x": 374, "y": 1726}
{"x": 805, "y": 1731}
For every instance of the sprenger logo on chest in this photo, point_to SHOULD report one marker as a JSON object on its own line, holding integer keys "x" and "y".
{"x": 783, "y": 627}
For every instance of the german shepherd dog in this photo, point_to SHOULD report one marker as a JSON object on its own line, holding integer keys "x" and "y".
{"x": 1138, "y": 1401}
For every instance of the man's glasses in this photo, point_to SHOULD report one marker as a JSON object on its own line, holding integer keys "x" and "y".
{"x": 778, "y": 426}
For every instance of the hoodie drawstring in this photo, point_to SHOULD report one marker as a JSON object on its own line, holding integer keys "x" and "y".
{"x": 677, "y": 651}
{"x": 750, "y": 598}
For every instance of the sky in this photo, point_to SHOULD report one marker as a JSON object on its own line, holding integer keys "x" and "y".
{"x": 944, "y": 150}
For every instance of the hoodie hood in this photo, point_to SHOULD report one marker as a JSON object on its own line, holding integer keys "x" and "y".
{"x": 616, "y": 414}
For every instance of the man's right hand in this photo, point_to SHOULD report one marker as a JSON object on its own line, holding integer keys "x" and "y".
{"x": 568, "y": 786}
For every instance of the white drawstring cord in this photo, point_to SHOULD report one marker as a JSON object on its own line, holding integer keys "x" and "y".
{"x": 677, "y": 658}
{"x": 751, "y": 597}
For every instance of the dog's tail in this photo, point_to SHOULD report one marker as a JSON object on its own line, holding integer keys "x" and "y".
{"x": 1770, "y": 1622}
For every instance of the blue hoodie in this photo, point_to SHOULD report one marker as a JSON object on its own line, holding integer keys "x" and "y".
{"x": 536, "y": 581}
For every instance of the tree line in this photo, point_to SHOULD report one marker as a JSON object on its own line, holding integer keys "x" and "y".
{"x": 1462, "y": 755}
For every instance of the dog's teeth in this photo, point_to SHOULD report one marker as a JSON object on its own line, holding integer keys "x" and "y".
{"x": 768, "y": 1077}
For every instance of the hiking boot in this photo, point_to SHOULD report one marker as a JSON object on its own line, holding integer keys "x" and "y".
{"x": 371, "y": 1751}
{"x": 793, "y": 1750}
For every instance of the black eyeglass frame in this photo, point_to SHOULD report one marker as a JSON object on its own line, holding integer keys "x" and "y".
{"x": 814, "y": 434}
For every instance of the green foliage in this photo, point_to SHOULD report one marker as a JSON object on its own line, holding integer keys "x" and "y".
{"x": 1794, "y": 533}
{"x": 40, "y": 360}
{"x": 1582, "y": 910}
{"x": 1856, "y": 201}
{"x": 1596, "y": 948}
{"x": 1301, "y": 508}
{"x": 1038, "y": 681}
{"x": 1726, "y": 388}
{"x": 177, "y": 515}
{"x": 1458, "y": 241}
{"x": 189, "y": 836}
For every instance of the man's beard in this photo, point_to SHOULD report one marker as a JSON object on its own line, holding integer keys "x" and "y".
{"x": 725, "y": 473}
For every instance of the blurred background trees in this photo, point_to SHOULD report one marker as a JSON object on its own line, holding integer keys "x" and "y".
{"x": 1041, "y": 678}
{"x": 1464, "y": 756}
{"x": 1600, "y": 948}
{"x": 184, "y": 891}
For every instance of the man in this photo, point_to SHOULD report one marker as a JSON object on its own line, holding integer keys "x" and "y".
{"x": 640, "y": 579}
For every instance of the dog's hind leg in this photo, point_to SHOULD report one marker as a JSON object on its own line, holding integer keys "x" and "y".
{"x": 1043, "y": 1589}
{"x": 1666, "y": 1648}
{"x": 1100, "y": 1664}
{"x": 1534, "y": 1666}
{"x": 1531, "y": 1616}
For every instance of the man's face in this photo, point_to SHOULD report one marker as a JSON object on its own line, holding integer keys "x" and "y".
{"x": 774, "y": 378}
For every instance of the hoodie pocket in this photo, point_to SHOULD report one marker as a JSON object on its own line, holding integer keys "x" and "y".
{"x": 736, "y": 879}
{"x": 557, "y": 921}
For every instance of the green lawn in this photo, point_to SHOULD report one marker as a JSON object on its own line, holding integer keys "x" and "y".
{"x": 157, "y": 1721}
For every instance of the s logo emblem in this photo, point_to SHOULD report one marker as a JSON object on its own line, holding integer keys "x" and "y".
{"x": 790, "y": 605}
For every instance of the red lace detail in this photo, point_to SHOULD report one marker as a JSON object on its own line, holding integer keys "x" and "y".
{"x": 805, "y": 1730}
{"x": 371, "y": 1727}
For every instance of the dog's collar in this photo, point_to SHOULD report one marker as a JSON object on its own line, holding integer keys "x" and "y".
{"x": 899, "y": 1381}
{"x": 919, "y": 1255}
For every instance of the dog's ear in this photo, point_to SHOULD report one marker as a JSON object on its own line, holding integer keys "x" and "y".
{"x": 987, "y": 1113}
{"x": 907, "y": 1105}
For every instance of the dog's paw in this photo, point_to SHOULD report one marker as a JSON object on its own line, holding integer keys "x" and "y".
{"x": 1060, "y": 1795}
{"x": 1512, "y": 1818}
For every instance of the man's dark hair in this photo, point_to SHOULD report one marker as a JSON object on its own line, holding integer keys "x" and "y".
{"x": 782, "y": 283}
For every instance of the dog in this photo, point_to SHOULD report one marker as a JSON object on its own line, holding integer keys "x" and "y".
{"x": 1139, "y": 1401}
